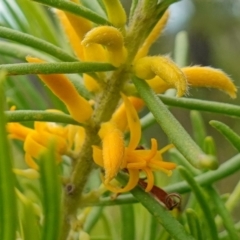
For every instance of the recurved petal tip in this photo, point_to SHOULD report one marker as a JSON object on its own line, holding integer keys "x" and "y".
{"x": 163, "y": 67}
{"x": 210, "y": 77}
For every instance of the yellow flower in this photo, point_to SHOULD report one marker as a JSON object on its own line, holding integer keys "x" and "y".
{"x": 109, "y": 43}
{"x": 67, "y": 139}
{"x": 163, "y": 67}
{"x": 79, "y": 108}
{"x": 112, "y": 39}
{"x": 115, "y": 156}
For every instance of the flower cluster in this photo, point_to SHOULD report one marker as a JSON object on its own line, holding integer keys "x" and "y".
{"x": 107, "y": 44}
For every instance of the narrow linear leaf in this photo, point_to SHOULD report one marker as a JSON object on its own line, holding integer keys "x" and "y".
{"x": 201, "y": 105}
{"x": 92, "y": 218}
{"x": 209, "y": 146}
{"x": 178, "y": 158}
{"x": 36, "y": 43}
{"x": 20, "y": 52}
{"x": 161, "y": 214}
{"x": 30, "y": 227}
{"x": 75, "y": 9}
{"x": 50, "y": 68}
{"x": 35, "y": 14}
{"x": 8, "y": 209}
{"x": 173, "y": 129}
{"x": 50, "y": 183}
{"x": 181, "y": 49}
{"x": 108, "y": 201}
{"x": 194, "y": 224}
{"x": 227, "y": 132}
{"x": 128, "y": 229}
{"x": 226, "y": 169}
{"x": 154, "y": 228}
{"x": 42, "y": 116}
{"x": 202, "y": 201}
{"x": 224, "y": 234}
{"x": 224, "y": 213}
{"x": 199, "y": 130}
{"x": 96, "y": 6}
{"x": 233, "y": 199}
{"x": 10, "y": 9}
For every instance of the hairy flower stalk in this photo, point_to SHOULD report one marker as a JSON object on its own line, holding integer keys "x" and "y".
{"x": 111, "y": 113}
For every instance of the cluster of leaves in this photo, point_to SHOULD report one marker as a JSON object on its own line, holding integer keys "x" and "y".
{"x": 21, "y": 218}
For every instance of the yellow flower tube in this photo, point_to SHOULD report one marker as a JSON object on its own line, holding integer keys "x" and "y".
{"x": 112, "y": 39}
{"x": 165, "y": 68}
{"x": 152, "y": 37}
{"x": 120, "y": 118}
{"x": 209, "y": 77}
{"x": 116, "y": 13}
{"x": 72, "y": 36}
{"x": 61, "y": 86}
{"x": 113, "y": 150}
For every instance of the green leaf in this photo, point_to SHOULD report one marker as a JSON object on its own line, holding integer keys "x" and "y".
{"x": 209, "y": 146}
{"x": 53, "y": 68}
{"x": 201, "y": 105}
{"x": 202, "y": 201}
{"x": 226, "y": 169}
{"x": 8, "y": 209}
{"x": 30, "y": 227}
{"x": 92, "y": 218}
{"x": 75, "y": 9}
{"x": 178, "y": 158}
{"x": 194, "y": 224}
{"x": 39, "y": 21}
{"x": 227, "y": 132}
{"x": 18, "y": 51}
{"x": 44, "y": 116}
{"x": 199, "y": 130}
{"x": 51, "y": 189}
{"x": 14, "y": 15}
{"x": 36, "y": 43}
{"x": 161, "y": 214}
{"x": 128, "y": 223}
{"x": 173, "y": 129}
{"x": 224, "y": 213}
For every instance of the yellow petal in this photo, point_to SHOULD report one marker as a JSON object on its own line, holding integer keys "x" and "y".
{"x": 79, "y": 24}
{"x": 79, "y": 138}
{"x": 98, "y": 156}
{"x": 165, "y": 68}
{"x": 112, "y": 39}
{"x": 73, "y": 38}
{"x": 132, "y": 183}
{"x": 152, "y": 37}
{"x": 166, "y": 148}
{"x": 153, "y": 151}
{"x": 159, "y": 165}
{"x": 28, "y": 173}
{"x": 90, "y": 83}
{"x": 133, "y": 123}
{"x": 116, "y": 13}
{"x": 150, "y": 179}
{"x": 18, "y": 131}
{"x": 61, "y": 86}
{"x": 30, "y": 162}
{"x": 120, "y": 118}
{"x": 158, "y": 85}
{"x": 32, "y": 147}
{"x": 44, "y": 138}
{"x": 210, "y": 77}
{"x": 90, "y": 51}
{"x": 112, "y": 149}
